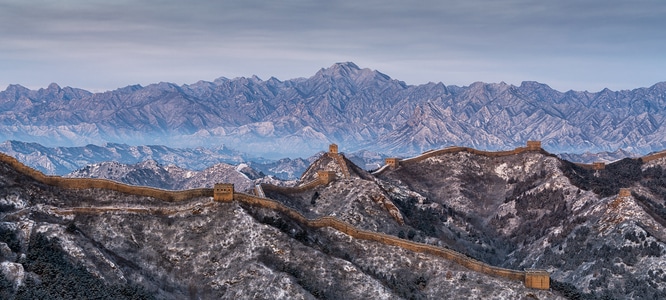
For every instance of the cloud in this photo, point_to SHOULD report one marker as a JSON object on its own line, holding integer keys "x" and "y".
{"x": 128, "y": 42}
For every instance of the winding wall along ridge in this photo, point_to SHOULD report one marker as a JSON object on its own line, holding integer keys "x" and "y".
{"x": 83, "y": 183}
{"x": 95, "y": 183}
{"x": 354, "y": 232}
{"x": 652, "y": 157}
{"x": 342, "y": 163}
{"x": 457, "y": 149}
{"x": 173, "y": 196}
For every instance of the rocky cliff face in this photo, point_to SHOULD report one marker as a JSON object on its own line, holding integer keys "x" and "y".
{"x": 358, "y": 108}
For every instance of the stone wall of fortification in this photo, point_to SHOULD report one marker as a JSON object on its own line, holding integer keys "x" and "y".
{"x": 352, "y": 231}
{"x": 652, "y": 157}
{"x": 77, "y": 183}
{"x": 433, "y": 153}
{"x": 292, "y": 190}
{"x": 593, "y": 166}
{"x": 93, "y": 183}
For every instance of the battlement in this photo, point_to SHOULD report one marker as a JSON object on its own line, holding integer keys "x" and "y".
{"x": 326, "y": 177}
{"x": 624, "y": 193}
{"x": 333, "y": 148}
{"x": 223, "y": 192}
{"x": 537, "y": 279}
{"x": 533, "y": 145}
{"x": 392, "y": 162}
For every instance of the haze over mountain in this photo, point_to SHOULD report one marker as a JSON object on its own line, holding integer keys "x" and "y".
{"x": 63, "y": 160}
{"x": 356, "y": 108}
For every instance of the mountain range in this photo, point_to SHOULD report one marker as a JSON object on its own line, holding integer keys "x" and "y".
{"x": 354, "y": 107}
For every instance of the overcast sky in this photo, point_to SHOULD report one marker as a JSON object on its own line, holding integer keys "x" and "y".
{"x": 104, "y": 45}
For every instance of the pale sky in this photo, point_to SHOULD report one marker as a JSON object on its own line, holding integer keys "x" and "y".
{"x": 104, "y": 45}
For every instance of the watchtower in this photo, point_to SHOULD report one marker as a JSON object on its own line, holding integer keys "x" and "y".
{"x": 332, "y": 148}
{"x": 533, "y": 145}
{"x": 392, "y": 162}
{"x": 326, "y": 177}
{"x": 598, "y": 166}
{"x": 223, "y": 192}
{"x": 624, "y": 193}
{"x": 537, "y": 279}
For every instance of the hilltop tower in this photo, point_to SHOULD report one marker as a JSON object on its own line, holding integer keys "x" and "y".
{"x": 624, "y": 193}
{"x": 223, "y": 192}
{"x": 537, "y": 279}
{"x": 333, "y": 148}
{"x": 392, "y": 162}
{"x": 533, "y": 145}
{"x": 326, "y": 177}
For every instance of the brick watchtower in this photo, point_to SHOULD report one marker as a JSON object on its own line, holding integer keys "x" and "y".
{"x": 533, "y": 145}
{"x": 392, "y": 162}
{"x": 624, "y": 193}
{"x": 537, "y": 279}
{"x": 333, "y": 148}
{"x": 223, "y": 192}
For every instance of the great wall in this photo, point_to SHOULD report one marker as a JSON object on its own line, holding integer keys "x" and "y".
{"x": 94, "y": 183}
{"x": 224, "y": 193}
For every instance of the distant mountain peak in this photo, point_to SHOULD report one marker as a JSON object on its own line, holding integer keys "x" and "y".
{"x": 533, "y": 84}
{"x": 340, "y": 69}
{"x": 53, "y": 87}
{"x": 16, "y": 87}
{"x": 15, "y": 90}
{"x": 352, "y": 71}
{"x": 346, "y": 65}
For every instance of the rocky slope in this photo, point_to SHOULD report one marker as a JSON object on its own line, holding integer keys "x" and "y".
{"x": 533, "y": 210}
{"x": 202, "y": 249}
{"x": 358, "y": 108}
{"x": 529, "y": 209}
